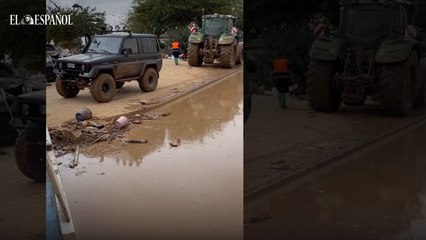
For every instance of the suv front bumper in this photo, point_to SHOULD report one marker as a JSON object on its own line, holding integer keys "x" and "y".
{"x": 74, "y": 74}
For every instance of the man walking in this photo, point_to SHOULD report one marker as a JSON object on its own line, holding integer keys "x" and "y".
{"x": 176, "y": 51}
{"x": 281, "y": 78}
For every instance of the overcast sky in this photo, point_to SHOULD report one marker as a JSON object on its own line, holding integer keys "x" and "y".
{"x": 119, "y": 8}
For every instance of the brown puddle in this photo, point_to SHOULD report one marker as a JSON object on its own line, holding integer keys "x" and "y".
{"x": 155, "y": 191}
{"x": 377, "y": 195}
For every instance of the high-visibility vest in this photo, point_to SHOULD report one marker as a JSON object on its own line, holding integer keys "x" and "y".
{"x": 280, "y": 65}
{"x": 175, "y": 45}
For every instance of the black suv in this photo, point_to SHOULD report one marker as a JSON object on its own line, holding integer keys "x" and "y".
{"x": 108, "y": 62}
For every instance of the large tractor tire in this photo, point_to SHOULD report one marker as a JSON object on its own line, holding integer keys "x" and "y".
{"x": 228, "y": 54}
{"x": 103, "y": 88}
{"x": 240, "y": 54}
{"x": 247, "y": 108}
{"x": 194, "y": 58}
{"x": 149, "y": 80}
{"x": 119, "y": 84}
{"x": 30, "y": 157}
{"x": 397, "y": 92}
{"x": 421, "y": 96}
{"x": 65, "y": 89}
{"x": 322, "y": 92}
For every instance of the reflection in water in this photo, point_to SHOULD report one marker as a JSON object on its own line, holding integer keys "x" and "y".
{"x": 192, "y": 120}
{"x": 381, "y": 195}
{"x": 152, "y": 191}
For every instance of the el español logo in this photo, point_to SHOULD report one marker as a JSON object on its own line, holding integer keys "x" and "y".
{"x": 40, "y": 19}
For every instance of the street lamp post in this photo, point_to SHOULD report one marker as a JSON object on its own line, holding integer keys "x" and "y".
{"x": 114, "y": 18}
{"x": 83, "y": 20}
{"x": 75, "y": 5}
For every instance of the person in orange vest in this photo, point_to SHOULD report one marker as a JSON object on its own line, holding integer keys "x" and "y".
{"x": 281, "y": 78}
{"x": 176, "y": 51}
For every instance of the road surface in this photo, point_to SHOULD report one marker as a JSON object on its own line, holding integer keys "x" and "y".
{"x": 377, "y": 193}
{"x": 174, "y": 81}
{"x": 155, "y": 191}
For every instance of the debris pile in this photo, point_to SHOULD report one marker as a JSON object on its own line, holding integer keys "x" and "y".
{"x": 70, "y": 134}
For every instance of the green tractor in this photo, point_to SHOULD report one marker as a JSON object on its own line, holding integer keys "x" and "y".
{"x": 218, "y": 38}
{"x": 376, "y": 52}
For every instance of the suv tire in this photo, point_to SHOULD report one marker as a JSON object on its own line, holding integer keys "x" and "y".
{"x": 149, "y": 80}
{"x": 65, "y": 89}
{"x": 103, "y": 88}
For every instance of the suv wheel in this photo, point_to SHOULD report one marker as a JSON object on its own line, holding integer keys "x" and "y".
{"x": 149, "y": 80}
{"x": 103, "y": 88}
{"x": 65, "y": 89}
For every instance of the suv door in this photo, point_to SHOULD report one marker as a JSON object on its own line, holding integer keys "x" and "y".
{"x": 129, "y": 66}
{"x": 151, "y": 51}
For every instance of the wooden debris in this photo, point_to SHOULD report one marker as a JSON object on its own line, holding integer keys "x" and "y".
{"x": 175, "y": 144}
{"x": 137, "y": 141}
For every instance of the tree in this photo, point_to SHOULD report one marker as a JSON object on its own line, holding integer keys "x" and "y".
{"x": 158, "y": 17}
{"x": 85, "y": 20}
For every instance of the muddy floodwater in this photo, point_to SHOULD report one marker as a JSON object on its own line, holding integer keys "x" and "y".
{"x": 155, "y": 191}
{"x": 379, "y": 194}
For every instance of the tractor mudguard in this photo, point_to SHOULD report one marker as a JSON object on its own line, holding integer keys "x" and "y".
{"x": 226, "y": 39}
{"x": 392, "y": 51}
{"x": 196, "y": 37}
{"x": 326, "y": 48}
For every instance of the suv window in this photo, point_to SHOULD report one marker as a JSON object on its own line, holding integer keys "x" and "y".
{"x": 104, "y": 44}
{"x": 149, "y": 45}
{"x": 131, "y": 43}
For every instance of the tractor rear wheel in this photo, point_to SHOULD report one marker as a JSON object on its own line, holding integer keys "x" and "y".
{"x": 228, "y": 54}
{"x": 421, "y": 97}
{"x": 240, "y": 54}
{"x": 322, "y": 92}
{"x": 397, "y": 81}
{"x": 194, "y": 58}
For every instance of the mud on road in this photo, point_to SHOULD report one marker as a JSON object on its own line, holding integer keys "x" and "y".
{"x": 280, "y": 144}
{"x": 174, "y": 81}
{"x": 23, "y": 205}
{"x": 377, "y": 193}
{"x": 160, "y": 189}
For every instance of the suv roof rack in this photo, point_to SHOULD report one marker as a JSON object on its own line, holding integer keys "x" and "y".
{"x": 104, "y": 31}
